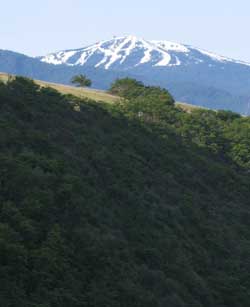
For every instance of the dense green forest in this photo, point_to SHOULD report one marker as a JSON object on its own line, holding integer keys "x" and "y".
{"x": 135, "y": 204}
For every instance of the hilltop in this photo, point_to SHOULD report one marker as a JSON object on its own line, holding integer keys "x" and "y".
{"x": 94, "y": 94}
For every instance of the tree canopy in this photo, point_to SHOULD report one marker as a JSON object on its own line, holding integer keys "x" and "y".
{"x": 81, "y": 81}
{"x": 131, "y": 88}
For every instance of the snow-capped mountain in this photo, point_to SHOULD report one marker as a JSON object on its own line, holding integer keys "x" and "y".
{"x": 130, "y": 52}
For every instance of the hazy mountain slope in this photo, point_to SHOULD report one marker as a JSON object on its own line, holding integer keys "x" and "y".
{"x": 19, "y": 64}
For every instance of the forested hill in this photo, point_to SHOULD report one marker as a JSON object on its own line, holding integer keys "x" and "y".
{"x": 132, "y": 204}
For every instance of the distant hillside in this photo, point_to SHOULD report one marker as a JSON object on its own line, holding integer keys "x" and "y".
{"x": 19, "y": 64}
{"x": 125, "y": 204}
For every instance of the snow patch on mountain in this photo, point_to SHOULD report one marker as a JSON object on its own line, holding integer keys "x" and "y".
{"x": 58, "y": 58}
{"x": 220, "y": 58}
{"x": 170, "y": 46}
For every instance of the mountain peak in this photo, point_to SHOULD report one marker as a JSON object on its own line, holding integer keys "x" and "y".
{"x": 130, "y": 52}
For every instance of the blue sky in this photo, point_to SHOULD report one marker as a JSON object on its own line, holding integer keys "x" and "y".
{"x": 39, "y": 27}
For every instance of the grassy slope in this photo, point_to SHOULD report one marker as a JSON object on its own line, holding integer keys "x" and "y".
{"x": 187, "y": 107}
{"x": 94, "y": 94}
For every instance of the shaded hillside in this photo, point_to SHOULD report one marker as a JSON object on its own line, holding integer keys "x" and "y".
{"x": 101, "y": 208}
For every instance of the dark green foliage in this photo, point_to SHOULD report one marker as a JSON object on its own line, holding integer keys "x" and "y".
{"x": 127, "y": 87}
{"x": 225, "y": 133}
{"x": 98, "y": 208}
{"x": 131, "y": 88}
{"x": 81, "y": 81}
